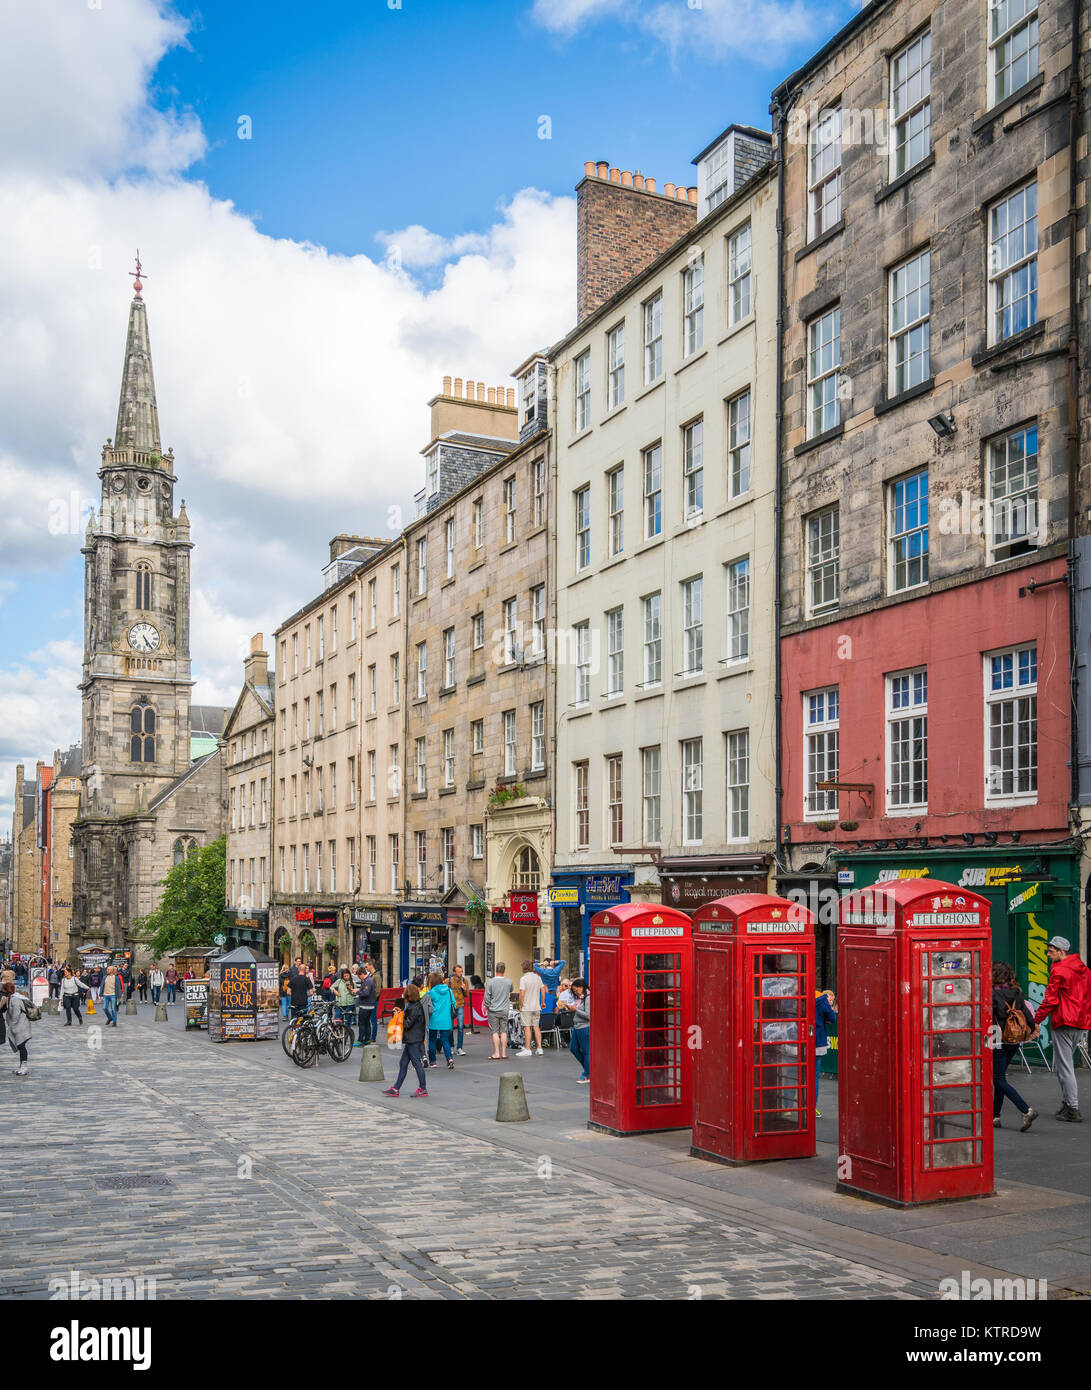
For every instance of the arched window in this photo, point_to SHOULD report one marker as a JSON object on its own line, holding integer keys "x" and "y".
{"x": 142, "y": 734}
{"x": 527, "y": 875}
{"x": 143, "y": 586}
{"x": 184, "y": 848}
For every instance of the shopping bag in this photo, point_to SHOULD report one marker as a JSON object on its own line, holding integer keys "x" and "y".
{"x": 394, "y": 1029}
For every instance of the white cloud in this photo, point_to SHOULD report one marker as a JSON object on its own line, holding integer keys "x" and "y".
{"x": 36, "y": 700}
{"x": 566, "y": 16}
{"x": 292, "y": 383}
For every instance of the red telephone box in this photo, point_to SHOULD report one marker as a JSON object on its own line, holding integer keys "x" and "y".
{"x": 753, "y": 1074}
{"x": 641, "y": 962}
{"x": 914, "y": 1065}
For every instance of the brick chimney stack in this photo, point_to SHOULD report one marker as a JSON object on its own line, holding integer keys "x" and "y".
{"x": 256, "y": 665}
{"x": 622, "y": 225}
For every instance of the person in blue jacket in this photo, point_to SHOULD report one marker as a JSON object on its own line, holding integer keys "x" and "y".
{"x": 550, "y": 972}
{"x": 825, "y": 1023}
{"x": 441, "y": 1020}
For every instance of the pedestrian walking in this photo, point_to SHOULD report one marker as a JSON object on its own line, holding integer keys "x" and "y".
{"x": 170, "y": 979}
{"x": 825, "y": 1024}
{"x": 344, "y": 997}
{"x": 301, "y": 991}
{"x": 460, "y": 988}
{"x": 111, "y": 993}
{"x": 96, "y": 985}
{"x": 441, "y": 1019}
{"x": 413, "y": 1030}
{"x": 155, "y": 979}
{"x": 285, "y": 992}
{"x": 54, "y": 982}
{"x": 1014, "y": 1022}
{"x": 497, "y": 1004}
{"x": 1067, "y": 1005}
{"x": 579, "y": 1042}
{"x": 72, "y": 992}
{"x": 15, "y": 1018}
{"x": 142, "y": 985}
{"x": 367, "y": 1002}
{"x": 531, "y": 992}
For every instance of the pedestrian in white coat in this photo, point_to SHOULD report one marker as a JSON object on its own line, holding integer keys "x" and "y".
{"x": 14, "y": 1010}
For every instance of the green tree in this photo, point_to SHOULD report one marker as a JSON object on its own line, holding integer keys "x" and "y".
{"x": 191, "y": 910}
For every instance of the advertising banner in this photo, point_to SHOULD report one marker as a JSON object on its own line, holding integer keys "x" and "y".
{"x": 195, "y": 997}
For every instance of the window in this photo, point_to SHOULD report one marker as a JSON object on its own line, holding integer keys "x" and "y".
{"x": 321, "y": 639}
{"x": 306, "y": 646}
{"x": 907, "y": 742}
{"x": 264, "y": 883}
{"x": 910, "y": 105}
{"x": 142, "y": 734}
{"x": 280, "y": 870}
{"x": 307, "y": 717}
{"x": 615, "y": 362}
{"x": 395, "y": 774}
{"x": 537, "y": 736}
{"x": 306, "y": 868}
{"x": 321, "y": 713}
{"x": 693, "y": 773}
{"x": 537, "y": 620}
{"x": 738, "y": 610}
{"x": 653, "y": 491}
{"x": 352, "y": 777}
{"x": 422, "y": 765}
{"x": 371, "y": 864}
{"x": 1013, "y": 264}
{"x": 739, "y": 271}
{"x": 653, "y": 639}
{"x": 372, "y": 690}
{"x": 821, "y": 712}
{"x": 528, "y": 871}
{"x": 395, "y": 590}
{"x": 433, "y": 472}
{"x": 422, "y": 857}
{"x": 333, "y": 786}
{"x": 306, "y": 793}
{"x": 448, "y": 757}
{"x": 1013, "y": 493}
{"x": 422, "y": 565}
{"x": 824, "y": 173}
{"x": 693, "y": 468}
{"x": 581, "y": 781}
{"x": 333, "y": 628}
{"x": 478, "y": 622}
{"x": 477, "y": 842}
{"x": 448, "y": 658}
{"x": 352, "y": 617}
{"x": 264, "y": 800}
{"x": 293, "y": 888}
{"x": 509, "y": 743}
{"x": 653, "y": 339}
{"x": 1011, "y": 724}
{"x": 738, "y": 445}
{"x": 737, "y": 752}
{"x": 615, "y": 504}
{"x": 509, "y": 609}
{"x": 823, "y": 561}
{"x": 332, "y": 846}
{"x": 528, "y": 397}
{"x": 509, "y": 509}
{"x": 692, "y": 628}
{"x": 234, "y": 795}
{"x": 479, "y": 523}
{"x": 583, "y": 528}
{"x": 395, "y": 864}
{"x": 583, "y": 663}
{"x": 615, "y": 808}
{"x": 295, "y": 794}
{"x": 283, "y": 661}
{"x": 909, "y": 531}
{"x": 422, "y": 670}
{"x": 537, "y": 489}
{"x": 333, "y": 708}
{"x": 395, "y": 680}
{"x": 449, "y": 533}
{"x": 583, "y": 391}
{"x": 318, "y": 866}
{"x": 650, "y": 787}
{"x": 295, "y": 653}
{"x": 824, "y": 373}
{"x": 1013, "y": 45}
{"x": 350, "y": 845}
{"x": 615, "y": 651}
{"x": 448, "y": 857}
{"x": 477, "y": 736}
{"x": 693, "y": 307}
{"x": 909, "y": 330}
{"x": 371, "y": 775}
{"x": 143, "y": 585}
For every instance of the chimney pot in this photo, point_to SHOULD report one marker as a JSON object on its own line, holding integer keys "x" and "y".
{"x": 638, "y": 181}
{"x": 491, "y": 393}
{"x": 649, "y": 185}
{"x": 692, "y": 194}
{"x": 668, "y": 190}
{"x": 446, "y": 385}
{"x": 458, "y": 388}
{"x": 602, "y": 169}
{"x": 589, "y": 169}
{"x": 256, "y": 642}
{"x": 615, "y": 175}
{"x": 480, "y": 390}
{"x": 626, "y": 179}
{"x": 511, "y": 395}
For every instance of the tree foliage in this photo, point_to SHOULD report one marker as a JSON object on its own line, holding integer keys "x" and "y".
{"x": 191, "y": 910}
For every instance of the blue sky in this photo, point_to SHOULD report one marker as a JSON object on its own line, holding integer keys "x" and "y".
{"x": 293, "y": 362}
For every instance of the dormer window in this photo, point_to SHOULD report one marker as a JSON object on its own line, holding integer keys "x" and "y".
{"x": 530, "y": 397}
{"x": 433, "y": 472}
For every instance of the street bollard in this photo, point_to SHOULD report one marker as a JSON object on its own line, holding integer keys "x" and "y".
{"x": 161, "y": 1013}
{"x": 371, "y": 1063}
{"x": 511, "y": 1101}
{"x": 130, "y": 1007}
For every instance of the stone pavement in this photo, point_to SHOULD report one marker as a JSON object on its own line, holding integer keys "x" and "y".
{"x": 226, "y": 1170}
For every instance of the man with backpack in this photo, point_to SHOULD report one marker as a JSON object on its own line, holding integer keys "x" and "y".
{"x": 1067, "y": 1005}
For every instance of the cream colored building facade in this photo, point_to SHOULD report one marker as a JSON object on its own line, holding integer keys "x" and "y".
{"x": 248, "y": 744}
{"x": 665, "y": 560}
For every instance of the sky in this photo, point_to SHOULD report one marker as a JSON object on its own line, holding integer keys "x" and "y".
{"x": 336, "y": 205}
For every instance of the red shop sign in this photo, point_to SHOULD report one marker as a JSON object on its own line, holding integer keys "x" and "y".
{"x": 523, "y": 908}
{"x": 304, "y": 914}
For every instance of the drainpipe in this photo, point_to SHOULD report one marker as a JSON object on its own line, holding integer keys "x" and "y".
{"x": 1073, "y": 432}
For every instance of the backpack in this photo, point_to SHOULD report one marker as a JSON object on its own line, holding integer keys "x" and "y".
{"x": 1017, "y": 1027}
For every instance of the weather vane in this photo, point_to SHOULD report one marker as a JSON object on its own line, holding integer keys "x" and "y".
{"x": 138, "y": 284}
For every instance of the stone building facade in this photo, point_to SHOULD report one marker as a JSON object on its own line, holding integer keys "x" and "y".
{"x": 248, "y": 758}
{"x": 926, "y": 454}
{"x": 26, "y": 864}
{"x": 666, "y": 467}
{"x": 58, "y": 812}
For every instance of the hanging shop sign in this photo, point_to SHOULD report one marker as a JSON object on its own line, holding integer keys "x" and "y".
{"x": 523, "y": 908}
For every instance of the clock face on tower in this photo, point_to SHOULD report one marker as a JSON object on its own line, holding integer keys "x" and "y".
{"x": 144, "y": 638}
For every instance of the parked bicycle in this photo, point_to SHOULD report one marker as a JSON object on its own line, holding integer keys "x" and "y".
{"x": 318, "y": 1032}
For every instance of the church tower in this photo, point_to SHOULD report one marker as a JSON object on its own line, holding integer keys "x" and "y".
{"x": 136, "y": 660}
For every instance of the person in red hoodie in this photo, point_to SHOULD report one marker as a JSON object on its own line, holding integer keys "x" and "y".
{"x": 1067, "y": 1005}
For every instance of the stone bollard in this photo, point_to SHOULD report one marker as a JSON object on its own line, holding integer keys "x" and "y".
{"x": 161, "y": 1013}
{"x": 511, "y": 1101}
{"x": 371, "y": 1063}
{"x": 130, "y": 1007}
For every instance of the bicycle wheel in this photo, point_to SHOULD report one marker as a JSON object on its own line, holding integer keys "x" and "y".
{"x": 287, "y": 1036}
{"x": 305, "y": 1051}
{"x": 339, "y": 1042}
